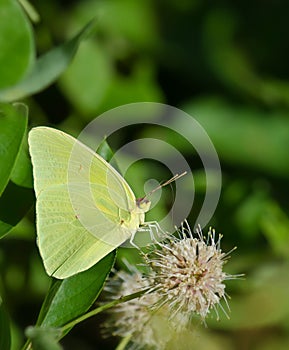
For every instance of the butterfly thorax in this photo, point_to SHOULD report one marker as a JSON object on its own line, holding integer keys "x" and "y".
{"x": 137, "y": 214}
{"x": 142, "y": 206}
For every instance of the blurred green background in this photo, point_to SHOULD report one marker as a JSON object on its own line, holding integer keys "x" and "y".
{"x": 226, "y": 64}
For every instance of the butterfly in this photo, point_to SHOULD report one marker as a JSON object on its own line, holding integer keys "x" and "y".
{"x": 84, "y": 207}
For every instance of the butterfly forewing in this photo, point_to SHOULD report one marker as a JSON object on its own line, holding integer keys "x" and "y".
{"x": 84, "y": 207}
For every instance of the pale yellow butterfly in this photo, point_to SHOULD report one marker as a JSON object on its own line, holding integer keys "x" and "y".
{"x": 84, "y": 207}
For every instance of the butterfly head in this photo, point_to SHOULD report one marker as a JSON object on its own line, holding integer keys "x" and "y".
{"x": 143, "y": 204}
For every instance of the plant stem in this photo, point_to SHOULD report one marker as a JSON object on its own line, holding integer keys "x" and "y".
{"x": 101, "y": 309}
{"x": 94, "y": 312}
{"x": 27, "y": 345}
{"x": 123, "y": 343}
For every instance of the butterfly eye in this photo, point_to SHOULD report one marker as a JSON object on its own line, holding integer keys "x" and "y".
{"x": 143, "y": 204}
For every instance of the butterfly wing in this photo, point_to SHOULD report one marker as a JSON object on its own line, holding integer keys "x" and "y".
{"x": 84, "y": 208}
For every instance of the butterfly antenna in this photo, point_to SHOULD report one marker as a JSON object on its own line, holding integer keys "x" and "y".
{"x": 174, "y": 178}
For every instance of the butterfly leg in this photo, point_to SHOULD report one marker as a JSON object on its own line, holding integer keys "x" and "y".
{"x": 155, "y": 231}
{"x": 132, "y": 242}
{"x": 159, "y": 233}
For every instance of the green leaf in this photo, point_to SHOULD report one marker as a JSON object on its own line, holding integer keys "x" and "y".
{"x": 106, "y": 153}
{"x": 5, "y": 336}
{"x": 73, "y": 296}
{"x": 16, "y": 43}
{"x": 30, "y": 10}
{"x": 21, "y": 173}
{"x": 15, "y": 200}
{"x": 91, "y": 72}
{"x": 47, "y": 68}
{"x": 13, "y": 124}
{"x": 44, "y": 338}
{"x": 14, "y": 204}
{"x": 104, "y": 150}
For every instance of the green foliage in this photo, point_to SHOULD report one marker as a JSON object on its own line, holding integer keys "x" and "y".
{"x": 5, "y": 337}
{"x": 16, "y": 166}
{"x": 44, "y": 338}
{"x": 261, "y": 137}
{"x": 46, "y": 69}
{"x": 66, "y": 300}
{"x": 13, "y": 128}
{"x": 73, "y": 296}
{"x": 223, "y": 64}
{"x": 16, "y": 42}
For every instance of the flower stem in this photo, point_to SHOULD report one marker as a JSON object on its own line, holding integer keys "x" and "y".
{"x": 123, "y": 343}
{"x": 65, "y": 329}
{"x": 100, "y": 309}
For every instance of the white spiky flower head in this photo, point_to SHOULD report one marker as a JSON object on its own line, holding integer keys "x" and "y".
{"x": 185, "y": 277}
{"x": 187, "y": 274}
{"x": 146, "y": 328}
